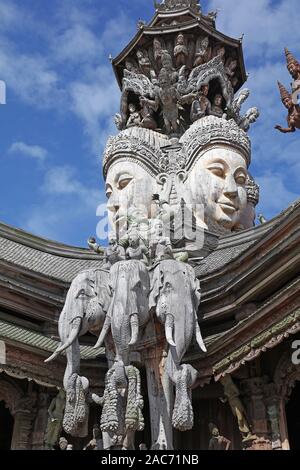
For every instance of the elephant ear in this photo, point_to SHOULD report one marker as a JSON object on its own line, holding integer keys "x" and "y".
{"x": 156, "y": 285}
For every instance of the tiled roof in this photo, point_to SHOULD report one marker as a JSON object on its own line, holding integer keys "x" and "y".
{"x": 39, "y": 260}
{"x": 31, "y": 338}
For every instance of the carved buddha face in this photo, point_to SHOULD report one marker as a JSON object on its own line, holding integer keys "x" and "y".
{"x": 129, "y": 189}
{"x": 217, "y": 187}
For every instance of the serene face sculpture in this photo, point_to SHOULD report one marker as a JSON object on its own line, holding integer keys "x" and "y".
{"x": 129, "y": 189}
{"x": 217, "y": 187}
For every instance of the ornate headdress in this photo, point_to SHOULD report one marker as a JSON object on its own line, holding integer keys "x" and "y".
{"x": 142, "y": 146}
{"x": 253, "y": 190}
{"x": 210, "y": 131}
{"x": 283, "y": 92}
{"x": 290, "y": 59}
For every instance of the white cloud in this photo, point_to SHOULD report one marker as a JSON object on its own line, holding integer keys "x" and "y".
{"x": 268, "y": 26}
{"x": 76, "y": 44}
{"x": 61, "y": 181}
{"x": 32, "y": 151}
{"x": 66, "y": 206}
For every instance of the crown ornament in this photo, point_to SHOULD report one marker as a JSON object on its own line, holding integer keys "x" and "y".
{"x": 283, "y": 92}
{"x": 210, "y": 131}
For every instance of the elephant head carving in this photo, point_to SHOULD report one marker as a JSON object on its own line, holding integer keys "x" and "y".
{"x": 129, "y": 308}
{"x": 176, "y": 295}
{"x": 85, "y": 308}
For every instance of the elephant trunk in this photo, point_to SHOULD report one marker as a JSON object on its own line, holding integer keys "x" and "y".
{"x": 104, "y": 332}
{"x": 134, "y": 323}
{"x": 73, "y": 336}
{"x": 199, "y": 338}
{"x": 169, "y": 327}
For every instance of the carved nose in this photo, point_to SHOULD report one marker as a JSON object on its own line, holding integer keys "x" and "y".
{"x": 230, "y": 189}
{"x": 113, "y": 204}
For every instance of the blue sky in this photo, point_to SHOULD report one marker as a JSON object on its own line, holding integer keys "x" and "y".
{"x": 62, "y": 95}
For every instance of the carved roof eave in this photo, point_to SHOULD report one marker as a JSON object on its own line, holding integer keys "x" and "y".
{"x": 198, "y": 22}
{"x": 167, "y": 15}
{"x": 266, "y": 328}
{"x": 44, "y": 245}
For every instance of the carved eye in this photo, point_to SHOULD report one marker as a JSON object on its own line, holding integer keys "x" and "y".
{"x": 108, "y": 191}
{"x": 240, "y": 179}
{"x": 217, "y": 171}
{"x": 123, "y": 182}
{"x": 81, "y": 294}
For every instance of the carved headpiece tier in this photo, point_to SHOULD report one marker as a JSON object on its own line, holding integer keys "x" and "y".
{"x": 283, "y": 92}
{"x": 253, "y": 190}
{"x": 211, "y": 131}
{"x": 142, "y": 146}
{"x": 290, "y": 59}
{"x": 171, "y": 5}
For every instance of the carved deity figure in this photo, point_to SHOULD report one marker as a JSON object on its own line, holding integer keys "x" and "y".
{"x": 144, "y": 62}
{"x": 134, "y": 116}
{"x": 96, "y": 443}
{"x": 293, "y": 67}
{"x": 180, "y": 51}
{"x": 250, "y": 117}
{"x": 148, "y": 121}
{"x": 63, "y": 443}
{"x": 232, "y": 394}
{"x": 230, "y": 67}
{"x": 136, "y": 249}
{"x": 93, "y": 245}
{"x": 168, "y": 98}
{"x": 293, "y": 118}
{"x": 216, "y": 109}
{"x": 203, "y": 51}
{"x": 219, "y": 50}
{"x": 217, "y": 442}
{"x": 113, "y": 253}
{"x": 201, "y": 106}
{"x": 157, "y": 51}
{"x": 55, "y": 421}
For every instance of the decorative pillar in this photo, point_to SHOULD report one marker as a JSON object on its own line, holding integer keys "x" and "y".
{"x": 24, "y": 417}
{"x": 253, "y": 391}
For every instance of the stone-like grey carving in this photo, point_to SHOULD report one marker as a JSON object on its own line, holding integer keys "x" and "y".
{"x": 85, "y": 310}
{"x": 201, "y": 106}
{"x": 172, "y": 281}
{"x": 128, "y": 310}
{"x": 122, "y": 409}
{"x": 76, "y": 414}
{"x": 180, "y": 51}
{"x": 203, "y": 51}
{"x": 169, "y": 5}
{"x": 250, "y": 117}
{"x": 203, "y": 74}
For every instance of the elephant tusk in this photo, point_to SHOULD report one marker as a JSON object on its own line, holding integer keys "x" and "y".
{"x": 134, "y": 323}
{"x": 103, "y": 333}
{"x": 169, "y": 326}
{"x": 199, "y": 338}
{"x": 73, "y": 336}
